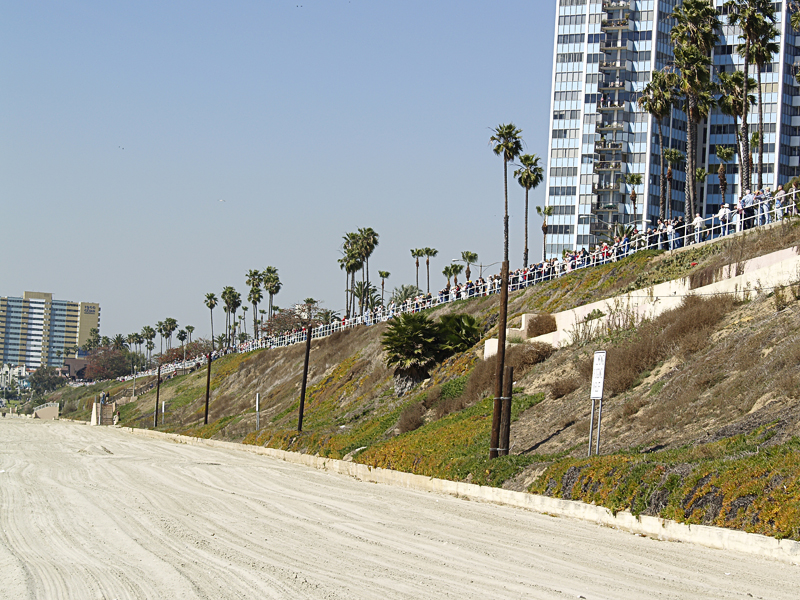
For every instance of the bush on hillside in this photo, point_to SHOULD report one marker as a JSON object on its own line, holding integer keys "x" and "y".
{"x": 540, "y": 325}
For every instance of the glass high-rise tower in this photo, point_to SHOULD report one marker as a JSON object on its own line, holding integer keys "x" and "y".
{"x": 604, "y": 54}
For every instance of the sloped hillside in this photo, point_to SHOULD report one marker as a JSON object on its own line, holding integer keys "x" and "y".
{"x": 700, "y": 399}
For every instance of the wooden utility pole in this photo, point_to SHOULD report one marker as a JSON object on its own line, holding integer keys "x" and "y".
{"x": 158, "y": 392}
{"x": 208, "y": 388}
{"x": 501, "y": 355}
{"x": 505, "y": 417}
{"x": 305, "y": 379}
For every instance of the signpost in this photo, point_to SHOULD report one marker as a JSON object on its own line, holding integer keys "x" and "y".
{"x": 598, "y": 378}
{"x": 258, "y": 413}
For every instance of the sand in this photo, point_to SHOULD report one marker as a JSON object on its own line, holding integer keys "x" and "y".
{"x": 92, "y": 512}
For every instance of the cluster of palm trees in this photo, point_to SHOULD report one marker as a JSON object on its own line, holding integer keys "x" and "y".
{"x": 256, "y": 280}
{"x": 428, "y": 253}
{"x": 357, "y": 247}
{"x": 507, "y": 143}
{"x": 690, "y": 86}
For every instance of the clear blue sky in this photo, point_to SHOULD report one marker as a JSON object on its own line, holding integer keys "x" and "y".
{"x": 309, "y": 121}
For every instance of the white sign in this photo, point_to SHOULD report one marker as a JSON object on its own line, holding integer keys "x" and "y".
{"x": 598, "y": 374}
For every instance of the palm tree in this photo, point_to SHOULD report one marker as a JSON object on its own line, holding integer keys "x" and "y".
{"x": 429, "y": 253}
{"x": 731, "y": 87}
{"x": 633, "y": 179}
{"x": 529, "y": 176}
{"x": 694, "y": 35}
{"x": 182, "y": 335}
{"x": 448, "y": 272}
{"x": 750, "y": 16}
{"x": 724, "y": 154}
{"x": 236, "y": 302}
{"x": 657, "y": 99}
{"x": 254, "y": 297}
{"x": 416, "y": 254}
{"x": 544, "y": 212}
{"x": 118, "y": 342}
{"x": 673, "y": 156}
{"x": 272, "y": 285}
{"x": 506, "y": 142}
{"x": 211, "y": 303}
{"x": 470, "y": 258}
{"x": 764, "y": 47}
{"x": 161, "y": 332}
{"x": 243, "y": 318}
{"x": 368, "y": 243}
{"x": 170, "y": 325}
{"x": 700, "y": 175}
{"x": 456, "y": 269}
{"x": 190, "y": 331}
{"x": 384, "y": 275}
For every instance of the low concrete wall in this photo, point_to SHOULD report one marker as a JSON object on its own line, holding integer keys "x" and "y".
{"x": 774, "y": 269}
{"x": 48, "y": 413}
{"x": 662, "y": 529}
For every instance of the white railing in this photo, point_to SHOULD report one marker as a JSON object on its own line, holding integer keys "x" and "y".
{"x": 664, "y": 238}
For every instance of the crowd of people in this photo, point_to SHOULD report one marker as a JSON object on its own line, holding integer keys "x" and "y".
{"x": 753, "y": 209}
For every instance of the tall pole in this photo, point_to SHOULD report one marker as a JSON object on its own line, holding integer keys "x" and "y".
{"x": 501, "y": 356}
{"x": 208, "y": 388}
{"x": 158, "y": 391}
{"x": 305, "y": 379}
{"x": 505, "y": 416}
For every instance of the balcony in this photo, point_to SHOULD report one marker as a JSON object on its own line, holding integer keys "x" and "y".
{"x": 614, "y": 24}
{"x": 610, "y": 105}
{"x": 614, "y": 45}
{"x": 607, "y": 166}
{"x": 605, "y": 187}
{"x": 609, "y": 126}
{"x": 610, "y": 85}
{"x": 606, "y": 146}
{"x": 612, "y": 65}
{"x": 616, "y": 5}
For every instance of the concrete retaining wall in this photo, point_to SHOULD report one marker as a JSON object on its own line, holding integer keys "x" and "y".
{"x": 662, "y": 529}
{"x": 774, "y": 269}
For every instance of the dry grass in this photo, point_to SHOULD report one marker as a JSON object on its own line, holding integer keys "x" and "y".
{"x": 540, "y": 325}
{"x": 686, "y": 329}
{"x": 562, "y": 387}
{"x": 412, "y": 417}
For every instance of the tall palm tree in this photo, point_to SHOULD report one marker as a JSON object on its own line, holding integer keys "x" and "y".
{"x": 368, "y": 243}
{"x": 170, "y": 325}
{"x": 182, "y": 335}
{"x": 211, "y": 303}
{"x": 243, "y": 318}
{"x": 227, "y": 301}
{"x": 506, "y": 142}
{"x": 429, "y": 253}
{"x": 254, "y": 297}
{"x": 272, "y": 285}
{"x": 455, "y": 270}
{"x": 700, "y": 175}
{"x": 416, "y": 254}
{"x": 236, "y": 302}
{"x": 633, "y": 179}
{"x": 725, "y": 155}
{"x": 384, "y": 275}
{"x": 544, "y": 212}
{"x": 750, "y": 16}
{"x": 673, "y": 156}
{"x": 763, "y": 48}
{"x": 731, "y": 88}
{"x": 190, "y": 331}
{"x": 448, "y": 272}
{"x": 695, "y": 33}
{"x": 470, "y": 258}
{"x": 529, "y": 176}
{"x": 657, "y": 99}
{"x": 161, "y": 333}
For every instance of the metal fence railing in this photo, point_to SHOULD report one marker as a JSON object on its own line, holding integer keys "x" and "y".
{"x": 667, "y": 236}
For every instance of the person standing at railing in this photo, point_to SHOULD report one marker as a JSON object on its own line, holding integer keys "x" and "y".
{"x": 780, "y": 198}
{"x": 697, "y": 227}
{"x": 747, "y": 210}
{"x": 724, "y": 216}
